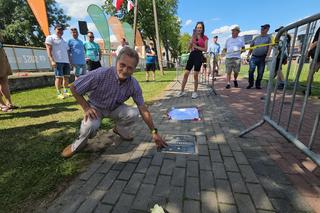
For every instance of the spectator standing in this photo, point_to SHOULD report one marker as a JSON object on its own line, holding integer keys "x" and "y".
{"x": 312, "y": 52}
{"x": 5, "y": 70}
{"x": 123, "y": 43}
{"x": 233, "y": 48}
{"x": 284, "y": 47}
{"x": 150, "y": 61}
{"x": 259, "y": 55}
{"x": 197, "y": 45}
{"x": 93, "y": 53}
{"x": 77, "y": 56}
{"x": 57, "y": 49}
{"x": 214, "y": 51}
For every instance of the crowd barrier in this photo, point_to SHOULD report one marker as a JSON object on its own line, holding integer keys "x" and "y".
{"x": 35, "y": 59}
{"x": 286, "y": 110}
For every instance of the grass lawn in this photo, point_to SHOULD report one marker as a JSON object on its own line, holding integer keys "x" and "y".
{"x": 33, "y": 136}
{"x": 294, "y": 68}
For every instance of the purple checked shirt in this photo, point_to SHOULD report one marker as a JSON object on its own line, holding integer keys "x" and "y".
{"x": 105, "y": 90}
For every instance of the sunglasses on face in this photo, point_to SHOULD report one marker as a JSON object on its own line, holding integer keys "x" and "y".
{"x": 91, "y": 36}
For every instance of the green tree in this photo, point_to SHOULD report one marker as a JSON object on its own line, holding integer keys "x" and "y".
{"x": 169, "y": 25}
{"x": 19, "y": 26}
{"x": 184, "y": 42}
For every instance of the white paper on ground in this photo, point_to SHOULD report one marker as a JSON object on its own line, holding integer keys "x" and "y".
{"x": 191, "y": 113}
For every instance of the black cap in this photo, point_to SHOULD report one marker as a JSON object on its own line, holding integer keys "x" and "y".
{"x": 215, "y": 36}
{"x": 58, "y": 26}
{"x": 265, "y": 26}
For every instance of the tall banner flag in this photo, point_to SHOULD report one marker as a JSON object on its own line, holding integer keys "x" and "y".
{"x": 100, "y": 20}
{"x": 39, "y": 10}
{"x": 128, "y": 32}
{"x": 116, "y": 27}
{"x": 129, "y": 5}
{"x": 139, "y": 41}
{"x": 117, "y": 4}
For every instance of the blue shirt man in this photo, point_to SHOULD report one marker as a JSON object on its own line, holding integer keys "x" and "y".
{"x": 214, "y": 48}
{"x": 77, "y": 56}
{"x": 214, "y": 51}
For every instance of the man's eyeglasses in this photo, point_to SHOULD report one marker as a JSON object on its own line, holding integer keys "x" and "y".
{"x": 91, "y": 36}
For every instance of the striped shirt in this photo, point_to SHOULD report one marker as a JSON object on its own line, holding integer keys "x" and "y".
{"x": 106, "y": 91}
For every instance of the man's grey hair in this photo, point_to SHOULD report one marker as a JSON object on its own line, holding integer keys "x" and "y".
{"x": 128, "y": 51}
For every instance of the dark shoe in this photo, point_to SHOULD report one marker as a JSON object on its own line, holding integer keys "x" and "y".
{"x": 258, "y": 87}
{"x": 228, "y": 86}
{"x": 122, "y": 136}
{"x": 304, "y": 92}
{"x": 249, "y": 87}
{"x": 11, "y": 106}
{"x": 235, "y": 84}
{"x": 280, "y": 87}
{"x": 67, "y": 152}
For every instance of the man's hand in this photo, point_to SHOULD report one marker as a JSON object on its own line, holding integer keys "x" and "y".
{"x": 159, "y": 141}
{"x": 90, "y": 113}
{"x": 53, "y": 64}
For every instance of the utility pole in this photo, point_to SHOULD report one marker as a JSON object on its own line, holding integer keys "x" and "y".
{"x": 157, "y": 35}
{"x": 135, "y": 22}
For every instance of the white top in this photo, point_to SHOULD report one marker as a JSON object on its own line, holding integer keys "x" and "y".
{"x": 59, "y": 48}
{"x": 233, "y": 46}
{"x": 119, "y": 49}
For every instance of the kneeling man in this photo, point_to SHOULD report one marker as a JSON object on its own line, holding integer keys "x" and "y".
{"x": 108, "y": 89}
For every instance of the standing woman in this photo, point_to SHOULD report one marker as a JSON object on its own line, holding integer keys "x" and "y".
{"x": 6, "y": 104}
{"x": 198, "y": 44}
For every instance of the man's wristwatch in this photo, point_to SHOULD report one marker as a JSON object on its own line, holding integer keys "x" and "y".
{"x": 154, "y": 131}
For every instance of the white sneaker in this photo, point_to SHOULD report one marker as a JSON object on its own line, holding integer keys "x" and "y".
{"x": 180, "y": 94}
{"x": 194, "y": 95}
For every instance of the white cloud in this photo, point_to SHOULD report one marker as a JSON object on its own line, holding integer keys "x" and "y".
{"x": 188, "y": 22}
{"x": 76, "y": 8}
{"x": 92, "y": 27}
{"x": 216, "y": 19}
{"x": 249, "y": 32}
{"x": 224, "y": 29}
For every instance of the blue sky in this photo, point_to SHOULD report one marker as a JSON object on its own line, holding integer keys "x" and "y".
{"x": 249, "y": 15}
{"x": 218, "y": 16}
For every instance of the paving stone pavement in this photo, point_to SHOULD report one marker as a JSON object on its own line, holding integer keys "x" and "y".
{"x": 229, "y": 174}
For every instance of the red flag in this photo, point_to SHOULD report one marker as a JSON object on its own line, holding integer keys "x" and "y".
{"x": 129, "y": 5}
{"x": 117, "y": 4}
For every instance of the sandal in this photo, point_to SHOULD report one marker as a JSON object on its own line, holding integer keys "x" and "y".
{"x": 12, "y": 106}
{"x": 5, "y": 108}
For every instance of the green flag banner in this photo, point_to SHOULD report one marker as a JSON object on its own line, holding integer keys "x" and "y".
{"x": 100, "y": 20}
{"x": 128, "y": 32}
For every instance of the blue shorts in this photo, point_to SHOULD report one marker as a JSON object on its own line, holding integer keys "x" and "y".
{"x": 62, "y": 69}
{"x": 79, "y": 69}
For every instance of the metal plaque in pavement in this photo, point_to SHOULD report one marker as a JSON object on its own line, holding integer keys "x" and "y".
{"x": 184, "y": 144}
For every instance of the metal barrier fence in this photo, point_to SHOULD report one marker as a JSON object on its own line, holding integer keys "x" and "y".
{"x": 208, "y": 71}
{"x": 285, "y": 110}
{"x": 23, "y": 58}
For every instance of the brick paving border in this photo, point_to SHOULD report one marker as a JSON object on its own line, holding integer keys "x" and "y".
{"x": 229, "y": 174}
